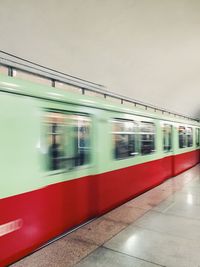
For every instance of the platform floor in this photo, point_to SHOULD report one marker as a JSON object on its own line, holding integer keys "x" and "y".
{"x": 159, "y": 228}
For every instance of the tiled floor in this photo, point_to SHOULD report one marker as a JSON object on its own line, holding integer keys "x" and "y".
{"x": 159, "y": 228}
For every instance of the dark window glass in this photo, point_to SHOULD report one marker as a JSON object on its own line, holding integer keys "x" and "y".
{"x": 124, "y": 137}
{"x": 197, "y": 136}
{"x": 67, "y": 140}
{"x": 147, "y": 137}
{"x": 82, "y": 140}
{"x": 182, "y": 137}
{"x": 55, "y": 137}
{"x": 189, "y": 136}
{"x": 167, "y": 137}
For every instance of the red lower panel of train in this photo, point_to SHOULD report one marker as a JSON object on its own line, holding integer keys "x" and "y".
{"x": 184, "y": 161}
{"x": 29, "y": 220}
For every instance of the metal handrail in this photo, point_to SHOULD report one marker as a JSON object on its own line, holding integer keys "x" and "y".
{"x": 15, "y": 63}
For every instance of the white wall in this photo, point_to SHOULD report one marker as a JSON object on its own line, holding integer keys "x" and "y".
{"x": 146, "y": 49}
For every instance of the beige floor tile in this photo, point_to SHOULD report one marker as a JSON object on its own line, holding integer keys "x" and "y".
{"x": 125, "y": 214}
{"x": 98, "y": 231}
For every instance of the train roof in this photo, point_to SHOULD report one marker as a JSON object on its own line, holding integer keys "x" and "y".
{"x": 26, "y": 88}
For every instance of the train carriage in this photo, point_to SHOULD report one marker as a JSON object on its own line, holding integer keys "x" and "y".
{"x": 67, "y": 158}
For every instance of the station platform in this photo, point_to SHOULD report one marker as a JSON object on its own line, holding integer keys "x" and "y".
{"x": 159, "y": 228}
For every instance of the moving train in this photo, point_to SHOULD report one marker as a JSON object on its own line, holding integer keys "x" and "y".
{"x": 67, "y": 158}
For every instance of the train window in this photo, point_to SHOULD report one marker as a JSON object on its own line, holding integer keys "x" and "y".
{"x": 55, "y": 139}
{"x": 82, "y": 138}
{"x": 124, "y": 137}
{"x": 3, "y": 70}
{"x": 189, "y": 136}
{"x": 182, "y": 137}
{"x": 147, "y": 137}
{"x": 167, "y": 137}
{"x": 68, "y": 140}
{"x": 197, "y": 132}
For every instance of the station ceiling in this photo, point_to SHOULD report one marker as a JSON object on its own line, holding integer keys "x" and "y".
{"x": 145, "y": 49}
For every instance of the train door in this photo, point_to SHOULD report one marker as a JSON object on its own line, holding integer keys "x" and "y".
{"x": 168, "y": 148}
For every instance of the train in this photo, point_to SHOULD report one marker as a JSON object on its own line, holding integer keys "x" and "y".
{"x": 67, "y": 158}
